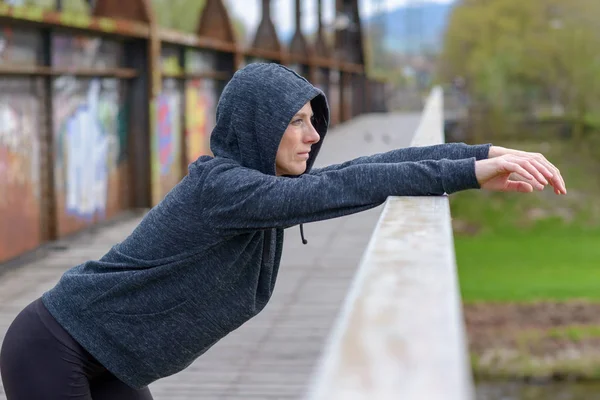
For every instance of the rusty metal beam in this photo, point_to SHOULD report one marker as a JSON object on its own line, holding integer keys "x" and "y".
{"x": 133, "y": 10}
{"x": 266, "y": 34}
{"x": 36, "y": 16}
{"x": 298, "y": 44}
{"x": 25, "y": 70}
{"x": 49, "y": 220}
{"x": 348, "y": 34}
{"x": 192, "y": 40}
{"x": 322, "y": 49}
{"x": 359, "y": 39}
{"x": 215, "y": 22}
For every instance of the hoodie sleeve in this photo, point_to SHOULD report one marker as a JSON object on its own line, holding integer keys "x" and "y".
{"x": 236, "y": 200}
{"x": 451, "y": 151}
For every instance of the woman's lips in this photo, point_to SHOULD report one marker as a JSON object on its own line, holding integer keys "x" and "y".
{"x": 304, "y": 155}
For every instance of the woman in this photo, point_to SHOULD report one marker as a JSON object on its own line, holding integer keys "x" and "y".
{"x": 205, "y": 260}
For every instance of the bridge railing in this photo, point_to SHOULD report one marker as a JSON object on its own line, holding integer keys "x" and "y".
{"x": 400, "y": 333}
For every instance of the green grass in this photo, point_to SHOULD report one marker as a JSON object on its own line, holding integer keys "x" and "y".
{"x": 508, "y": 254}
{"x": 527, "y": 363}
{"x": 553, "y": 265}
{"x": 575, "y": 333}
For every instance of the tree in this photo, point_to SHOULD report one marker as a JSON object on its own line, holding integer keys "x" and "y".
{"x": 515, "y": 54}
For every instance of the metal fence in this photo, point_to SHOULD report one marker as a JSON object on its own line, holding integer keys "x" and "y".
{"x": 102, "y": 113}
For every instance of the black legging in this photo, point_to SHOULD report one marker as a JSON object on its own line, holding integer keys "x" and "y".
{"x": 39, "y": 360}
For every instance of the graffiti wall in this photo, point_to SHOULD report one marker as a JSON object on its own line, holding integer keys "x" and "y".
{"x": 21, "y": 116}
{"x": 201, "y": 100}
{"x": 200, "y": 103}
{"x": 90, "y": 151}
{"x": 170, "y": 60}
{"x": 200, "y": 61}
{"x": 20, "y": 203}
{"x": 19, "y": 47}
{"x": 85, "y": 52}
{"x": 167, "y": 140}
{"x": 90, "y": 134}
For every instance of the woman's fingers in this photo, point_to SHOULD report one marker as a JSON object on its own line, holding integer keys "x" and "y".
{"x": 527, "y": 172}
{"x": 523, "y": 167}
{"x": 543, "y": 170}
{"x": 515, "y": 167}
{"x": 556, "y": 180}
{"x": 519, "y": 186}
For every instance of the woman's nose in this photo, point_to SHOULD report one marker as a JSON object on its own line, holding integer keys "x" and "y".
{"x": 313, "y": 136}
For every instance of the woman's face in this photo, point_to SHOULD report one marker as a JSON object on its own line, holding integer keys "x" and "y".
{"x": 295, "y": 145}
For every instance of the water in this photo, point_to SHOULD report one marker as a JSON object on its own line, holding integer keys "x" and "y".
{"x": 523, "y": 391}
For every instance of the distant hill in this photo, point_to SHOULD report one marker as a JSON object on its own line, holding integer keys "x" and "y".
{"x": 410, "y": 29}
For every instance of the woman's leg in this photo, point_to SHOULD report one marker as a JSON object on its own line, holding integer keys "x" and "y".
{"x": 36, "y": 366}
{"x": 40, "y": 360}
{"x": 111, "y": 388}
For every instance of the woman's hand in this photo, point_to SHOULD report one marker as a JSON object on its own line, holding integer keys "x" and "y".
{"x": 555, "y": 178}
{"x": 517, "y": 173}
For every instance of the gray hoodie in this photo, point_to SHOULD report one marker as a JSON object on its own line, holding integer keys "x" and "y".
{"x": 205, "y": 259}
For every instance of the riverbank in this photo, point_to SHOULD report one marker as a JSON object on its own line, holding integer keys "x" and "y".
{"x": 539, "y": 342}
{"x": 514, "y": 390}
{"x": 528, "y": 268}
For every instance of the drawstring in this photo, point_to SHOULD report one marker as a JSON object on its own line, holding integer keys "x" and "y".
{"x": 304, "y": 241}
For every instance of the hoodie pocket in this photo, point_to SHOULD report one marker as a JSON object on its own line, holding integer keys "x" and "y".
{"x": 167, "y": 341}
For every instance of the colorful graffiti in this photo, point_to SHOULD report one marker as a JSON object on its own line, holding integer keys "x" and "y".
{"x": 19, "y": 46}
{"x": 16, "y": 142}
{"x": 3, "y": 45}
{"x": 166, "y": 164}
{"x": 19, "y": 166}
{"x": 86, "y": 144}
{"x": 169, "y": 60}
{"x": 84, "y": 52}
{"x": 89, "y": 149}
{"x": 166, "y": 147}
{"x": 199, "y": 117}
{"x": 199, "y": 61}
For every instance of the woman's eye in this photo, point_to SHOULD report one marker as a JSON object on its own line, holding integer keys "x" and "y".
{"x": 297, "y": 122}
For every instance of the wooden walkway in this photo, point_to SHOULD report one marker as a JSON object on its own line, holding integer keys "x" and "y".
{"x": 273, "y": 355}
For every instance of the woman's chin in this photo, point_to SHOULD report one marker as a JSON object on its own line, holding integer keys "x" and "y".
{"x": 296, "y": 169}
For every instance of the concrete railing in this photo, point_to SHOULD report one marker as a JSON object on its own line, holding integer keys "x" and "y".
{"x": 400, "y": 333}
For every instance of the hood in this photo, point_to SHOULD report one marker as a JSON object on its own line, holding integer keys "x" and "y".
{"x": 254, "y": 111}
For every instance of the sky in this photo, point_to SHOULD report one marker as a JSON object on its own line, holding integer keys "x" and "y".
{"x": 282, "y": 12}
